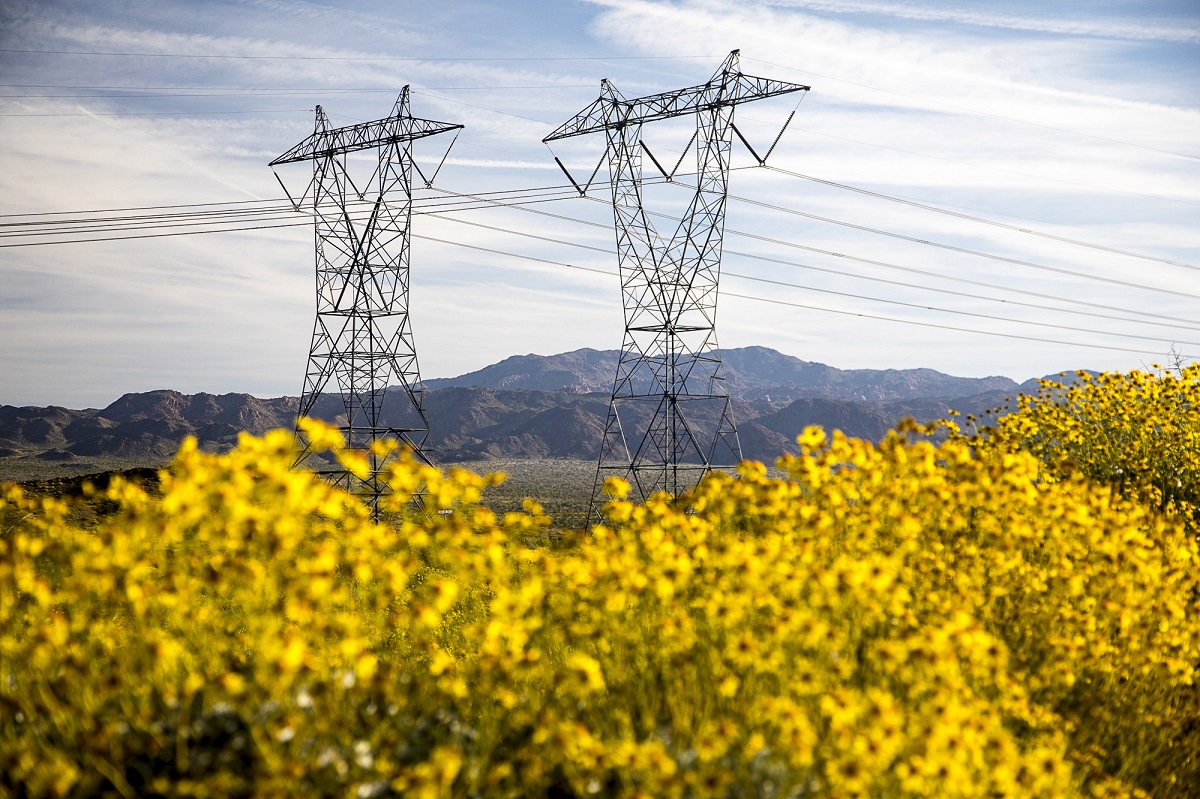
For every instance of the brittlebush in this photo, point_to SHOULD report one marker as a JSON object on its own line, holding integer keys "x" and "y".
{"x": 1138, "y": 432}
{"x": 892, "y": 620}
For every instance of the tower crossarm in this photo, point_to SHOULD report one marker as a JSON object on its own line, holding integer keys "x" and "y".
{"x": 724, "y": 89}
{"x": 363, "y": 136}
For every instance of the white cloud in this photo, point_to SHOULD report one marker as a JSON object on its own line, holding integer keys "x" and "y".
{"x": 1107, "y": 28}
{"x": 897, "y": 108}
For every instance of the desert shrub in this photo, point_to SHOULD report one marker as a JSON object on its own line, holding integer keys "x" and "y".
{"x": 1137, "y": 431}
{"x": 906, "y": 619}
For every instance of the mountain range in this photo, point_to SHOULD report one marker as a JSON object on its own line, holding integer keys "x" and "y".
{"x": 528, "y": 406}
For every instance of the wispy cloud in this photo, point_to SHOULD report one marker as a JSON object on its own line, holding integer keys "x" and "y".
{"x": 407, "y": 35}
{"x": 1095, "y": 26}
{"x": 1005, "y": 118}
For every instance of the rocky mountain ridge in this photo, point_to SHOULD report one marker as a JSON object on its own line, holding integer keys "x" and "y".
{"x": 752, "y": 373}
{"x": 523, "y": 407}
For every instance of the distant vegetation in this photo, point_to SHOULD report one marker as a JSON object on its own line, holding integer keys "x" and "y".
{"x": 1010, "y": 610}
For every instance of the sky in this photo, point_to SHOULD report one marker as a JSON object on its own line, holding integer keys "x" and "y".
{"x": 978, "y": 188}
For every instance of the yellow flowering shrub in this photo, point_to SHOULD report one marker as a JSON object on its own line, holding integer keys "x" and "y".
{"x": 1138, "y": 432}
{"x": 893, "y": 620}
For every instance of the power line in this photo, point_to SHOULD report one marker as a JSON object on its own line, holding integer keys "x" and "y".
{"x": 608, "y": 273}
{"x": 825, "y": 270}
{"x": 242, "y": 91}
{"x": 959, "y": 312}
{"x": 142, "y": 208}
{"x": 1188, "y": 323}
{"x": 159, "y": 113}
{"x": 609, "y": 252}
{"x": 969, "y": 164}
{"x": 964, "y": 250}
{"x": 844, "y": 293}
{"x": 981, "y": 220}
{"x": 493, "y": 202}
{"x": 968, "y": 295}
{"x": 953, "y": 328}
{"x": 262, "y": 209}
{"x": 936, "y": 275}
{"x": 346, "y": 57}
{"x": 479, "y": 196}
{"x": 156, "y": 235}
{"x": 480, "y": 107}
{"x": 236, "y": 223}
{"x": 519, "y": 197}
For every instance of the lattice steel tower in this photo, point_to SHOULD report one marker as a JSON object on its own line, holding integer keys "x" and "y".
{"x": 362, "y": 344}
{"x": 670, "y": 418}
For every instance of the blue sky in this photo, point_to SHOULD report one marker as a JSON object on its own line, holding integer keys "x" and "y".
{"x": 1071, "y": 129}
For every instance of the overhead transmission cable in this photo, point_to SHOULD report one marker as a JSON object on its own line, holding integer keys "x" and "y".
{"x": 608, "y": 273}
{"x": 211, "y": 220}
{"x": 512, "y": 197}
{"x": 493, "y": 202}
{"x": 236, "y": 91}
{"x": 141, "y": 208}
{"x": 768, "y": 259}
{"x": 882, "y": 264}
{"x": 92, "y": 239}
{"x": 352, "y": 58}
{"x": 980, "y": 220}
{"x": 841, "y": 293}
{"x": 963, "y": 250}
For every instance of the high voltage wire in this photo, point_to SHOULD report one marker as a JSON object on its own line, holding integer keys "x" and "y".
{"x": 843, "y": 293}
{"x": 161, "y": 235}
{"x": 141, "y": 208}
{"x": 989, "y": 168}
{"x": 880, "y": 195}
{"x": 221, "y": 216}
{"x": 238, "y": 91}
{"x": 731, "y": 275}
{"x": 277, "y": 200}
{"x": 608, "y": 273}
{"x": 768, "y": 259}
{"x": 1188, "y": 323}
{"x": 350, "y": 58}
{"x": 1038, "y": 339}
{"x": 177, "y": 218}
{"x": 261, "y": 211}
{"x": 950, "y": 278}
{"x": 981, "y": 220}
{"x": 954, "y": 293}
{"x": 963, "y": 250}
{"x": 221, "y": 219}
{"x": 161, "y": 113}
{"x": 925, "y": 272}
{"x": 960, "y": 312}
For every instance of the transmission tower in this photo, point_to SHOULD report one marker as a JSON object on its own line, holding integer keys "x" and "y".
{"x": 362, "y": 344}
{"x": 670, "y": 419}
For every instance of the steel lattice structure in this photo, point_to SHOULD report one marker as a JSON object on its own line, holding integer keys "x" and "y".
{"x": 670, "y": 418}
{"x": 362, "y": 344}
